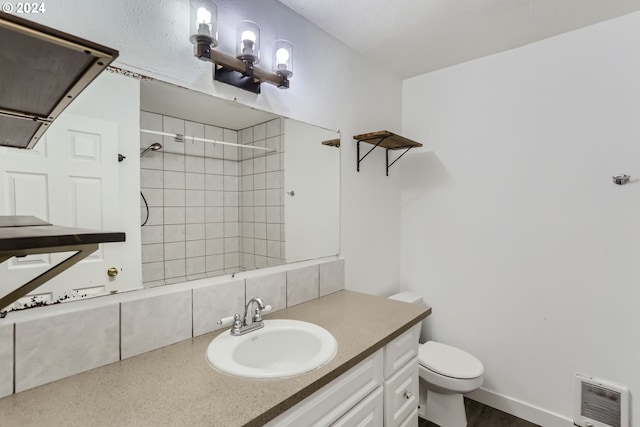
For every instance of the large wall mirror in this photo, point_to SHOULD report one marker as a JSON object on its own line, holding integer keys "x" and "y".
{"x": 209, "y": 207}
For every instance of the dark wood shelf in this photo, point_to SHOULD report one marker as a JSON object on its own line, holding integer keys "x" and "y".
{"x": 390, "y": 140}
{"x": 19, "y": 236}
{"x": 387, "y": 140}
{"x": 332, "y": 142}
{"x": 27, "y": 235}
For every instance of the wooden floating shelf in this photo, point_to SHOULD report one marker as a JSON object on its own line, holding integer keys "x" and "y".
{"x": 26, "y": 235}
{"x": 390, "y": 140}
{"x": 332, "y": 143}
{"x": 387, "y": 140}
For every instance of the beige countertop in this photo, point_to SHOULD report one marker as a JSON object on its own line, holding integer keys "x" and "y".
{"x": 175, "y": 385}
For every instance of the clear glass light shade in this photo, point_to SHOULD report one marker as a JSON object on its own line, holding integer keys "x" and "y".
{"x": 283, "y": 58}
{"x": 248, "y": 42}
{"x": 204, "y": 21}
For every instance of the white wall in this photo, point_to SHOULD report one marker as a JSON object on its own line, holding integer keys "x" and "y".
{"x": 512, "y": 229}
{"x": 312, "y": 173}
{"x": 332, "y": 87}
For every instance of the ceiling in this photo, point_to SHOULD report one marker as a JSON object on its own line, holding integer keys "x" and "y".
{"x": 414, "y": 37}
{"x": 162, "y": 98}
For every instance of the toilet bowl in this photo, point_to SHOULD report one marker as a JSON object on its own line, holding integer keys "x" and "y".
{"x": 446, "y": 373}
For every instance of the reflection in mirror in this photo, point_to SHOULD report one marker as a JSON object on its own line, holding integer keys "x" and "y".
{"x": 209, "y": 208}
{"x": 73, "y": 178}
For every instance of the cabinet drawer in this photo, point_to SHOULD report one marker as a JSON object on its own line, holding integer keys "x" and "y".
{"x": 367, "y": 413}
{"x": 401, "y": 350}
{"x": 326, "y": 405}
{"x": 411, "y": 420}
{"x": 401, "y": 394}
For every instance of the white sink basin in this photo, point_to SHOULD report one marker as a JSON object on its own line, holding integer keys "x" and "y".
{"x": 282, "y": 348}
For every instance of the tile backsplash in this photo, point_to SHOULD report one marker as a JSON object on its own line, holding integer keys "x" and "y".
{"x": 157, "y": 321}
{"x": 59, "y": 346}
{"x": 6, "y": 360}
{"x": 213, "y": 209}
{"x": 58, "y": 341}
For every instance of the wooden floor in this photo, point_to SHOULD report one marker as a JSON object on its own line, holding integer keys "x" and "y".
{"x": 479, "y": 415}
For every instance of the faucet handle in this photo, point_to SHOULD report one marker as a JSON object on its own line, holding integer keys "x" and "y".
{"x": 225, "y": 321}
{"x": 258, "y": 316}
{"x": 229, "y": 320}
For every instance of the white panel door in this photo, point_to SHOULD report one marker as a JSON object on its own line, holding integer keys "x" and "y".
{"x": 71, "y": 179}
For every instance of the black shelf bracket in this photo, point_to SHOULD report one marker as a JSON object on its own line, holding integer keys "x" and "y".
{"x": 397, "y": 158}
{"x": 388, "y": 165}
{"x": 82, "y": 251}
{"x": 360, "y": 159}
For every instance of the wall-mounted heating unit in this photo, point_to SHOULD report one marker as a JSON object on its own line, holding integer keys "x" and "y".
{"x": 600, "y": 403}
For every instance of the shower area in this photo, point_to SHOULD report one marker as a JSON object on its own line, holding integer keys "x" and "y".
{"x": 209, "y": 209}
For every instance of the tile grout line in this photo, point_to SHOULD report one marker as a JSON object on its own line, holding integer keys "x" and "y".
{"x": 119, "y": 331}
{"x": 15, "y": 359}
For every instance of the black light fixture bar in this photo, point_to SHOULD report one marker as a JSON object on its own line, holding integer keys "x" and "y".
{"x": 231, "y": 70}
{"x": 240, "y": 70}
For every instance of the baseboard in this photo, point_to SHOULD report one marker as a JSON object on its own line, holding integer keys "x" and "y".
{"x": 520, "y": 409}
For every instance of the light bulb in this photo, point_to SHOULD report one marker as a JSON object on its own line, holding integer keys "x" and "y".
{"x": 283, "y": 60}
{"x": 248, "y": 36}
{"x": 248, "y": 42}
{"x": 203, "y": 16}
{"x": 282, "y": 56}
{"x": 204, "y": 23}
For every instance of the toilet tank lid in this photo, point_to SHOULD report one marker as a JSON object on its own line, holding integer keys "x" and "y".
{"x": 410, "y": 297}
{"x": 449, "y": 361}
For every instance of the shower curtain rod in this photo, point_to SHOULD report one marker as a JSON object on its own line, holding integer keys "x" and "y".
{"x": 195, "y": 138}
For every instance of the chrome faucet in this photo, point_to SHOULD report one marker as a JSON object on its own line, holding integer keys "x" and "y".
{"x": 247, "y": 323}
{"x": 257, "y": 317}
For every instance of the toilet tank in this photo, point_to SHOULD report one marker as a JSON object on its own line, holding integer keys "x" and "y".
{"x": 410, "y": 297}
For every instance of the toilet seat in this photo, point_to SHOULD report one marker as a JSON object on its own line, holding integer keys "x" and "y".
{"x": 449, "y": 361}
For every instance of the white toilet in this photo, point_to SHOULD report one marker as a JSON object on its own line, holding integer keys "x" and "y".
{"x": 446, "y": 373}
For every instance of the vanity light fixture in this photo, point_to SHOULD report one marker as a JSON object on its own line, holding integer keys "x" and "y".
{"x": 240, "y": 71}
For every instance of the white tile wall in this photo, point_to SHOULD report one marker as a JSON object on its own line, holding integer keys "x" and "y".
{"x": 212, "y": 302}
{"x": 331, "y": 276}
{"x": 6, "y": 360}
{"x": 194, "y": 148}
{"x": 302, "y": 285}
{"x": 150, "y": 323}
{"x": 191, "y": 187}
{"x": 272, "y": 288}
{"x": 59, "y": 346}
{"x": 261, "y": 197}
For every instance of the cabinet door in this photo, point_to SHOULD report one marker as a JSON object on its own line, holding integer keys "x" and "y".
{"x": 401, "y": 394}
{"x": 368, "y": 413}
{"x": 401, "y": 350}
{"x": 411, "y": 420}
{"x": 329, "y": 403}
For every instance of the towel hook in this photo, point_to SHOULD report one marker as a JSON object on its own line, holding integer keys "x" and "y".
{"x": 621, "y": 179}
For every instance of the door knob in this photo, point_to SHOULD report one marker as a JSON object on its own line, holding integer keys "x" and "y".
{"x": 112, "y": 272}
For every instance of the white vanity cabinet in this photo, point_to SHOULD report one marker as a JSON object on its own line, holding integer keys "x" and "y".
{"x": 382, "y": 390}
{"x": 368, "y": 413}
{"x": 327, "y": 405}
{"x": 401, "y": 380}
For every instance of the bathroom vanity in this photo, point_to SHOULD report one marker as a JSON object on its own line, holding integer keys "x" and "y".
{"x": 372, "y": 374}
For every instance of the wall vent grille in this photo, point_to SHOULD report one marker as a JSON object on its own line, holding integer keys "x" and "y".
{"x": 600, "y": 403}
